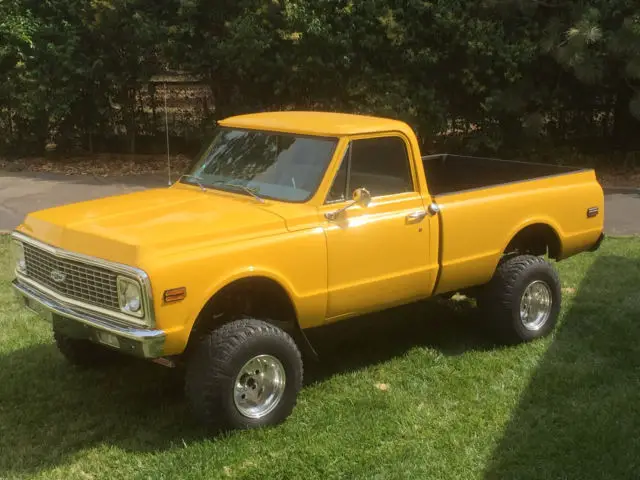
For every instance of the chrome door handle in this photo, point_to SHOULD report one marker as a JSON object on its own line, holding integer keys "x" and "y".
{"x": 416, "y": 216}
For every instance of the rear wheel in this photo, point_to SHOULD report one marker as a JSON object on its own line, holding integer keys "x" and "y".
{"x": 523, "y": 298}
{"x": 245, "y": 374}
{"x": 84, "y": 353}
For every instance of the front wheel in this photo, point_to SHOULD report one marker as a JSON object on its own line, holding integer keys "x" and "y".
{"x": 523, "y": 298}
{"x": 245, "y": 374}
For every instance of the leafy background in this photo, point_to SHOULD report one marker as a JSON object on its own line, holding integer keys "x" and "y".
{"x": 483, "y": 75}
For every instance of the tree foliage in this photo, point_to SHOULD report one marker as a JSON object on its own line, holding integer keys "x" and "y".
{"x": 490, "y": 74}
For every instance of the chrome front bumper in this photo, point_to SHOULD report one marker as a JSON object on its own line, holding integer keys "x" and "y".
{"x": 78, "y": 323}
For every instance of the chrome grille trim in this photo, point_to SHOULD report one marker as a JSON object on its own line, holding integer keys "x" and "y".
{"x": 85, "y": 283}
{"x": 83, "y": 267}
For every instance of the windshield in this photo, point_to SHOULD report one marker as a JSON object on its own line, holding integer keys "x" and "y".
{"x": 270, "y": 165}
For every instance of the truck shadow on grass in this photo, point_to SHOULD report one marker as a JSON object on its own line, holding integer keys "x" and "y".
{"x": 50, "y": 410}
{"x": 579, "y": 416}
{"x": 452, "y": 327}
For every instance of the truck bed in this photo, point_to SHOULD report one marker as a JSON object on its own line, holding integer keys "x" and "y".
{"x": 485, "y": 202}
{"x": 447, "y": 173}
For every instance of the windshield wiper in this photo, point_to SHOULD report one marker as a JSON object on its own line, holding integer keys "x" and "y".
{"x": 251, "y": 191}
{"x": 195, "y": 179}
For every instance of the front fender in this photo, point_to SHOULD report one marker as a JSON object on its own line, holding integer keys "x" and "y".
{"x": 239, "y": 274}
{"x": 295, "y": 260}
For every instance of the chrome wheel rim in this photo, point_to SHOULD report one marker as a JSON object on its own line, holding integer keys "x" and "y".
{"x": 535, "y": 305}
{"x": 259, "y": 386}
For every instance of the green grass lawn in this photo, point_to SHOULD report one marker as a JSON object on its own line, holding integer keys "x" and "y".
{"x": 417, "y": 392}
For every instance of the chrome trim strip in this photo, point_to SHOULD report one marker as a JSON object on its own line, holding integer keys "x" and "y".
{"x": 132, "y": 272}
{"x": 152, "y": 340}
{"x": 75, "y": 303}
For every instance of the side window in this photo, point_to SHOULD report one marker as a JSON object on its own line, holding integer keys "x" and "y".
{"x": 381, "y": 165}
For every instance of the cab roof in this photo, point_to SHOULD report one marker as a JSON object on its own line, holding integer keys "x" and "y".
{"x": 327, "y": 124}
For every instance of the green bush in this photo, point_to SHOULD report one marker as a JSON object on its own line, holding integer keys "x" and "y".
{"x": 479, "y": 75}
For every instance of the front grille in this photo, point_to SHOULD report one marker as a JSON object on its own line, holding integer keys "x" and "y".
{"x": 75, "y": 280}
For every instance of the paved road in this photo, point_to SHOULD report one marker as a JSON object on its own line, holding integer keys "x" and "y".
{"x": 21, "y": 193}
{"x": 622, "y": 211}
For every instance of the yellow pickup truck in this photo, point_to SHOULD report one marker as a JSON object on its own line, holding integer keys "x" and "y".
{"x": 289, "y": 221}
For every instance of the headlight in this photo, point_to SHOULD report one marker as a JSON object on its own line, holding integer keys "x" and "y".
{"x": 17, "y": 254}
{"x": 130, "y": 297}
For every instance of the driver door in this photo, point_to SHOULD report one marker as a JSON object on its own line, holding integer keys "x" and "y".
{"x": 378, "y": 255}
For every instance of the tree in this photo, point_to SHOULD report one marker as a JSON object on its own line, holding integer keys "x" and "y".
{"x": 599, "y": 43}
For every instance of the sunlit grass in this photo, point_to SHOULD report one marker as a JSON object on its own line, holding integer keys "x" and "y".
{"x": 417, "y": 392}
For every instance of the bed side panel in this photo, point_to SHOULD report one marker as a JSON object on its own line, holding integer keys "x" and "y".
{"x": 478, "y": 225}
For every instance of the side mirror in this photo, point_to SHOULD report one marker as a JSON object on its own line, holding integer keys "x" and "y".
{"x": 361, "y": 197}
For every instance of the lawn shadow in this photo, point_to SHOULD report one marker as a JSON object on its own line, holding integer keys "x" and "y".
{"x": 452, "y": 327}
{"x": 50, "y": 410}
{"x": 580, "y": 414}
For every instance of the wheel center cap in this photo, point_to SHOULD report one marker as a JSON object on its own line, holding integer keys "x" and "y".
{"x": 259, "y": 386}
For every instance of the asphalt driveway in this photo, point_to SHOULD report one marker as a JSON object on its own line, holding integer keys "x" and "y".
{"x": 21, "y": 193}
{"x": 622, "y": 211}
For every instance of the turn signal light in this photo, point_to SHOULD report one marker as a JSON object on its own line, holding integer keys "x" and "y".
{"x": 174, "y": 295}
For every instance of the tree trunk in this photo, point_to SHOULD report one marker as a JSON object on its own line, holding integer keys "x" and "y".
{"x": 42, "y": 132}
{"x": 10, "y": 114}
{"x": 223, "y": 98}
{"x": 625, "y": 125}
{"x": 131, "y": 119}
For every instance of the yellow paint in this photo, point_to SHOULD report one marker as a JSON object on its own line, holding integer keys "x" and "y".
{"x": 478, "y": 225}
{"x": 316, "y": 123}
{"x": 369, "y": 259}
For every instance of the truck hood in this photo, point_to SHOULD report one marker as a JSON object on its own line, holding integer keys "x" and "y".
{"x": 123, "y": 228}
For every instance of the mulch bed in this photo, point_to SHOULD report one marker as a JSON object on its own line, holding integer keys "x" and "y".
{"x": 106, "y": 165}
{"x": 630, "y": 178}
{"x": 101, "y": 165}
